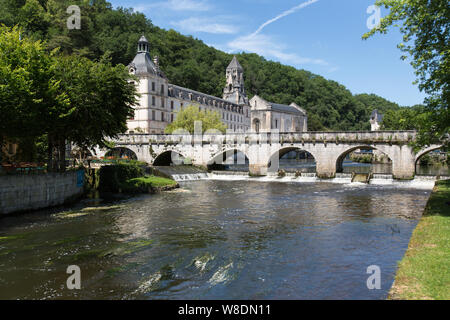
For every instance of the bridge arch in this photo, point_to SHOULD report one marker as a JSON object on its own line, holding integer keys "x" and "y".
{"x": 222, "y": 157}
{"x": 343, "y": 155}
{"x": 168, "y": 158}
{"x": 121, "y": 153}
{"x": 285, "y": 150}
{"x": 427, "y": 150}
{"x": 423, "y": 153}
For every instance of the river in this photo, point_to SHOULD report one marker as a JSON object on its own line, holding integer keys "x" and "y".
{"x": 215, "y": 239}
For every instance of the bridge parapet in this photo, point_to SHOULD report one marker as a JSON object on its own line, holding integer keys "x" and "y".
{"x": 394, "y": 137}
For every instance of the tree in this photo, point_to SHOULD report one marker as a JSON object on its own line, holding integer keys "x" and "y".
{"x": 425, "y": 25}
{"x": 65, "y": 98}
{"x": 187, "y": 116}
{"x": 100, "y": 98}
{"x": 29, "y": 90}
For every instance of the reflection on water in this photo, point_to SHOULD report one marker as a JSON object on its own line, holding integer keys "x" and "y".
{"x": 215, "y": 240}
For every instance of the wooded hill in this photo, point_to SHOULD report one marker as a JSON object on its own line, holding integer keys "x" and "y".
{"x": 189, "y": 62}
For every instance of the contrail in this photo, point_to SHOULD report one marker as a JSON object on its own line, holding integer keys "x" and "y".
{"x": 284, "y": 14}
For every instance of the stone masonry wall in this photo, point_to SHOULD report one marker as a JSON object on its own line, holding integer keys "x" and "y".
{"x": 31, "y": 192}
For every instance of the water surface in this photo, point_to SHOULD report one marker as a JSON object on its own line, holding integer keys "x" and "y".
{"x": 215, "y": 240}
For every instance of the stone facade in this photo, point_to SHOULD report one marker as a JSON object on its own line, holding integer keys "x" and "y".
{"x": 267, "y": 116}
{"x": 160, "y": 100}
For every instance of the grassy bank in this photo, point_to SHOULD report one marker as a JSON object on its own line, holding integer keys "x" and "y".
{"x": 130, "y": 178}
{"x": 149, "y": 184}
{"x": 424, "y": 272}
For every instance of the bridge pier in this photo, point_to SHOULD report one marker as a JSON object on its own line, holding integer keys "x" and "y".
{"x": 326, "y": 160}
{"x": 403, "y": 163}
{"x": 403, "y": 170}
{"x": 258, "y": 169}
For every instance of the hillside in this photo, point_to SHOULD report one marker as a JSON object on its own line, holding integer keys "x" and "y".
{"x": 189, "y": 62}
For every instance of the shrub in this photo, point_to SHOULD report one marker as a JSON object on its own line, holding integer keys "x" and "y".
{"x": 146, "y": 184}
{"x": 112, "y": 177}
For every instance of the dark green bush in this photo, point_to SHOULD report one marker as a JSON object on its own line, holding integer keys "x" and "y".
{"x": 112, "y": 177}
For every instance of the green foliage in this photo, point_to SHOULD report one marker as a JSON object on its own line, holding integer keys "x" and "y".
{"x": 65, "y": 98}
{"x": 144, "y": 184}
{"x": 403, "y": 118}
{"x": 425, "y": 26}
{"x": 29, "y": 91}
{"x": 101, "y": 98}
{"x": 187, "y": 116}
{"x": 112, "y": 177}
{"x": 361, "y": 158}
{"x": 189, "y": 62}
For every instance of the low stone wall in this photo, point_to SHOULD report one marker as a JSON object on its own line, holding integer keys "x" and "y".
{"x": 32, "y": 192}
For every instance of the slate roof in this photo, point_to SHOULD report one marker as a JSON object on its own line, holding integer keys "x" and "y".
{"x": 183, "y": 93}
{"x": 143, "y": 39}
{"x": 284, "y": 108}
{"x": 234, "y": 64}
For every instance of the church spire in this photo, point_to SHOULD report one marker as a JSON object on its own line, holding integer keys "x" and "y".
{"x": 235, "y": 89}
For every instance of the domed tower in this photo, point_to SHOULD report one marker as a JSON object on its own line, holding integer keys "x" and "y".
{"x": 235, "y": 89}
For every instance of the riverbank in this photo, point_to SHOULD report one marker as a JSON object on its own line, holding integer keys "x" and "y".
{"x": 424, "y": 272}
{"x": 149, "y": 184}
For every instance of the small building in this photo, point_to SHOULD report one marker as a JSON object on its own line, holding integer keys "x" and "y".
{"x": 375, "y": 120}
{"x": 266, "y": 116}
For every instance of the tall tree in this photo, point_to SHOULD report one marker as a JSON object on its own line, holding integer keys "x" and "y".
{"x": 29, "y": 91}
{"x": 425, "y": 25}
{"x": 101, "y": 99}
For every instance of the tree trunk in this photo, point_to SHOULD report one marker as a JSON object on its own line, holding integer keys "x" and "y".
{"x": 62, "y": 155}
{"x": 50, "y": 153}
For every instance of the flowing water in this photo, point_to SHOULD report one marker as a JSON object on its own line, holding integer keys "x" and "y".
{"x": 222, "y": 237}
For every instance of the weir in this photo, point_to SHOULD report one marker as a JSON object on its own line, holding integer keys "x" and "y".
{"x": 420, "y": 182}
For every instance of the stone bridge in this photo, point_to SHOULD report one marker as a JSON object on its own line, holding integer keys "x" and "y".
{"x": 263, "y": 150}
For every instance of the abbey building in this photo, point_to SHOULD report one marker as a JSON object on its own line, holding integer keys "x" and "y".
{"x": 160, "y": 101}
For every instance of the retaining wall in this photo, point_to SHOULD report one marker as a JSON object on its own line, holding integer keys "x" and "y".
{"x": 32, "y": 192}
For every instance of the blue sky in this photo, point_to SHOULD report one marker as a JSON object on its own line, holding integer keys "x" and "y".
{"x": 322, "y": 36}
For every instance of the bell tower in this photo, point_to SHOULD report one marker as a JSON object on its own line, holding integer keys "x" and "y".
{"x": 235, "y": 90}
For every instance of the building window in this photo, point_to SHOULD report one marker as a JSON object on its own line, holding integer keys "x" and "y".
{"x": 153, "y": 115}
{"x": 153, "y": 86}
{"x": 153, "y": 101}
{"x": 162, "y": 89}
{"x": 162, "y": 116}
{"x": 171, "y": 105}
{"x": 162, "y": 102}
{"x": 171, "y": 117}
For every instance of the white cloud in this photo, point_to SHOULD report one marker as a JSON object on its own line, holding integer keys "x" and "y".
{"x": 208, "y": 25}
{"x": 176, "y": 5}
